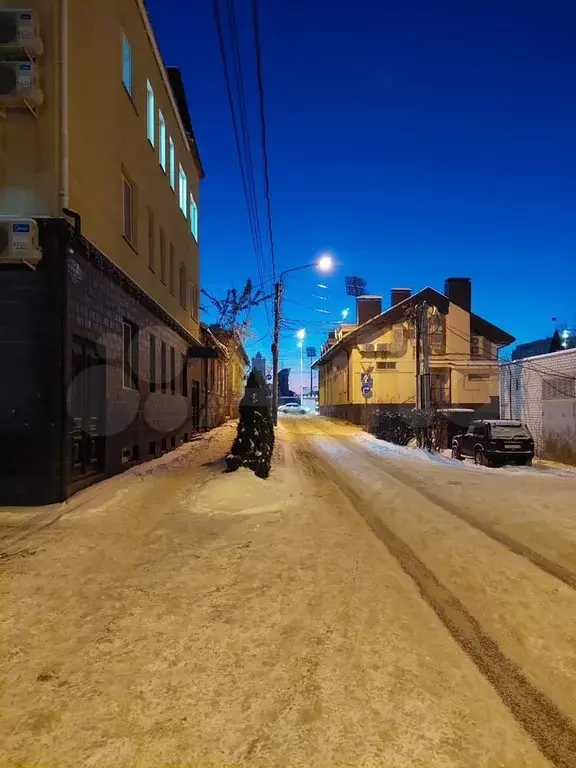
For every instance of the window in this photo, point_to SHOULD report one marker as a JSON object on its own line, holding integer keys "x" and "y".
{"x": 182, "y": 284}
{"x": 385, "y": 366}
{"x": 150, "y": 113}
{"x": 162, "y": 139}
{"x": 172, "y": 163}
{"x": 172, "y": 370}
{"x": 152, "y": 363}
{"x": 480, "y": 347}
{"x": 183, "y": 187}
{"x": 193, "y": 217}
{"x": 163, "y": 359}
{"x": 437, "y": 334}
{"x": 151, "y": 240}
{"x": 559, "y": 388}
{"x": 171, "y": 270}
{"x": 128, "y": 195}
{"x": 127, "y": 64}
{"x": 478, "y": 376}
{"x": 184, "y": 377}
{"x": 162, "y": 256}
{"x": 193, "y": 300}
{"x": 130, "y": 355}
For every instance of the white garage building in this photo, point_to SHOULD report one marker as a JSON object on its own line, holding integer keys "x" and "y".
{"x": 541, "y": 391}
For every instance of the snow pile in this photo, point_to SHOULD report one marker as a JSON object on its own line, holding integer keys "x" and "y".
{"x": 185, "y": 454}
{"x": 240, "y": 493}
{"x": 384, "y": 448}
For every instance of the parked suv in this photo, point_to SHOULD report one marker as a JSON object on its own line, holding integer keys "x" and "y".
{"x": 494, "y": 442}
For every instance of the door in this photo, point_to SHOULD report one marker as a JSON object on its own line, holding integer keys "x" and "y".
{"x": 195, "y": 404}
{"x": 467, "y": 441}
{"x": 87, "y": 410}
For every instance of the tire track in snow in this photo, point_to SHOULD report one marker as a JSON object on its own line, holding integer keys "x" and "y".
{"x": 550, "y": 729}
{"x": 551, "y": 567}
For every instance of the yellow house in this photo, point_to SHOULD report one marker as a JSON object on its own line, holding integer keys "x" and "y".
{"x": 381, "y": 350}
{"x": 99, "y": 166}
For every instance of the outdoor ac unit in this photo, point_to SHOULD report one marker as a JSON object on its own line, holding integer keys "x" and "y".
{"x": 383, "y": 347}
{"x": 367, "y": 347}
{"x": 19, "y": 84}
{"x": 19, "y": 242}
{"x": 20, "y": 31}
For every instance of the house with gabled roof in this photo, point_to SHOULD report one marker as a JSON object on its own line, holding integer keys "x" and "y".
{"x": 381, "y": 345}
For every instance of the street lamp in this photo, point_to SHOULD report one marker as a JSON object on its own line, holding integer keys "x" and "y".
{"x": 324, "y": 263}
{"x": 301, "y": 335}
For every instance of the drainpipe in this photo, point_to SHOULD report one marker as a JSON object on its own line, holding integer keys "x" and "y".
{"x": 64, "y": 143}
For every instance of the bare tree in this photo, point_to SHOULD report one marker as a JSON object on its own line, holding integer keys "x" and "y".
{"x": 233, "y": 311}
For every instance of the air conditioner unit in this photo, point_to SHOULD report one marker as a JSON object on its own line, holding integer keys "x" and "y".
{"x": 383, "y": 347}
{"x": 19, "y": 242}
{"x": 367, "y": 347}
{"x": 20, "y": 31}
{"x": 19, "y": 84}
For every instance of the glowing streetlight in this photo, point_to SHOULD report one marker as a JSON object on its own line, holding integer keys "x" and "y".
{"x": 301, "y": 334}
{"x": 325, "y": 263}
{"x": 345, "y": 313}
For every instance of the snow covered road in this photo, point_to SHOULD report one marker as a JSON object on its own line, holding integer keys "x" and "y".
{"x": 362, "y": 607}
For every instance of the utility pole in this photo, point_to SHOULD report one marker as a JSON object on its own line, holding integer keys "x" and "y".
{"x": 424, "y": 331}
{"x": 311, "y": 372}
{"x": 275, "y": 348}
{"x": 416, "y": 317}
{"x": 510, "y": 390}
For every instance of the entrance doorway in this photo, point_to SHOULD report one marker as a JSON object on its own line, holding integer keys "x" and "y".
{"x": 87, "y": 411}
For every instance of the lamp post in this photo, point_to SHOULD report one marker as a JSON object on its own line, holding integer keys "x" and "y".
{"x": 324, "y": 264}
{"x": 301, "y": 335}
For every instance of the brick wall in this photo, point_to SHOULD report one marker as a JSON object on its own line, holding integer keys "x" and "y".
{"x": 521, "y": 393}
{"x": 99, "y": 301}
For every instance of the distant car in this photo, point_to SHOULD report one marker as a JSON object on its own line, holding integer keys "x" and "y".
{"x": 495, "y": 442}
{"x": 293, "y": 408}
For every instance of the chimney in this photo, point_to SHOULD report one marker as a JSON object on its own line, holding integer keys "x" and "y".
{"x": 399, "y": 294}
{"x": 367, "y": 307}
{"x": 459, "y": 291}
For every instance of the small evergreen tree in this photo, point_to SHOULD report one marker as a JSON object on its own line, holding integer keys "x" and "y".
{"x": 254, "y": 441}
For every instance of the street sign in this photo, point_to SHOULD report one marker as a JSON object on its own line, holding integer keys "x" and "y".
{"x": 366, "y": 379}
{"x": 367, "y": 391}
{"x": 268, "y": 377}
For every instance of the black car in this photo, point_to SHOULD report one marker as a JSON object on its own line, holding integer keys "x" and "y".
{"x": 493, "y": 442}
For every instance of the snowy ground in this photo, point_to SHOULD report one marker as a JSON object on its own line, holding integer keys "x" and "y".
{"x": 365, "y": 606}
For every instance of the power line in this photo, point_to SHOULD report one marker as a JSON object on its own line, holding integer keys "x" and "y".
{"x": 250, "y": 201}
{"x": 256, "y": 26}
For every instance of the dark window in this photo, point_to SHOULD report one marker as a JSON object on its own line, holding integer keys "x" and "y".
{"x": 130, "y": 355}
{"x": 172, "y": 270}
{"x": 172, "y": 370}
{"x": 128, "y": 220}
{"x": 479, "y": 376}
{"x": 163, "y": 361}
{"x": 173, "y": 441}
{"x": 152, "y": 448}
{"x": 182, "y": 286}
{"x": 437, "y": 335}
{"x": 164, "y": 444}
{"x": 152, "y": 363}
{"x": 151, "y": 241}
{"x": 184, "y": 377}
{"x": 480, "y": 430}
{"x": 162, "y": 256}
{"x": 385, "y": 366}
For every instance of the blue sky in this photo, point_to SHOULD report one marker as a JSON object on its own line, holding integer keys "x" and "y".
{"x": 418, "y": 140}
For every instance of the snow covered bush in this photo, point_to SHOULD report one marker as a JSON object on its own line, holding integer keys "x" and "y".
{"x": 254, "y": 441}
{"x": 392, "y": 425}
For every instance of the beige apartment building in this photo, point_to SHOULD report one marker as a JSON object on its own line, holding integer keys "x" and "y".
{"x": 99, "y": 247}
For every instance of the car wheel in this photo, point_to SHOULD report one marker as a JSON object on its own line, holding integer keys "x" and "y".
{"x": 456, "y": 453}
{"x": 479, "y": 458}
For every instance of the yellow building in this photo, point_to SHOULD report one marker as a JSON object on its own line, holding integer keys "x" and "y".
{"x": 98, "y": 159}
{"x": 381, "y": 350}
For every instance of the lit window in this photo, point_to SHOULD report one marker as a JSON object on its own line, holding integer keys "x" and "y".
{"x": 183, "y": 186}
{"x": 150, "y": 113}
{"x": 127, "y": 64}
{"x": 162, "y": 140}
{"x": 128, "y": 210}
{"x": 193, "y": 217}
{"x": 172, "y": 163}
